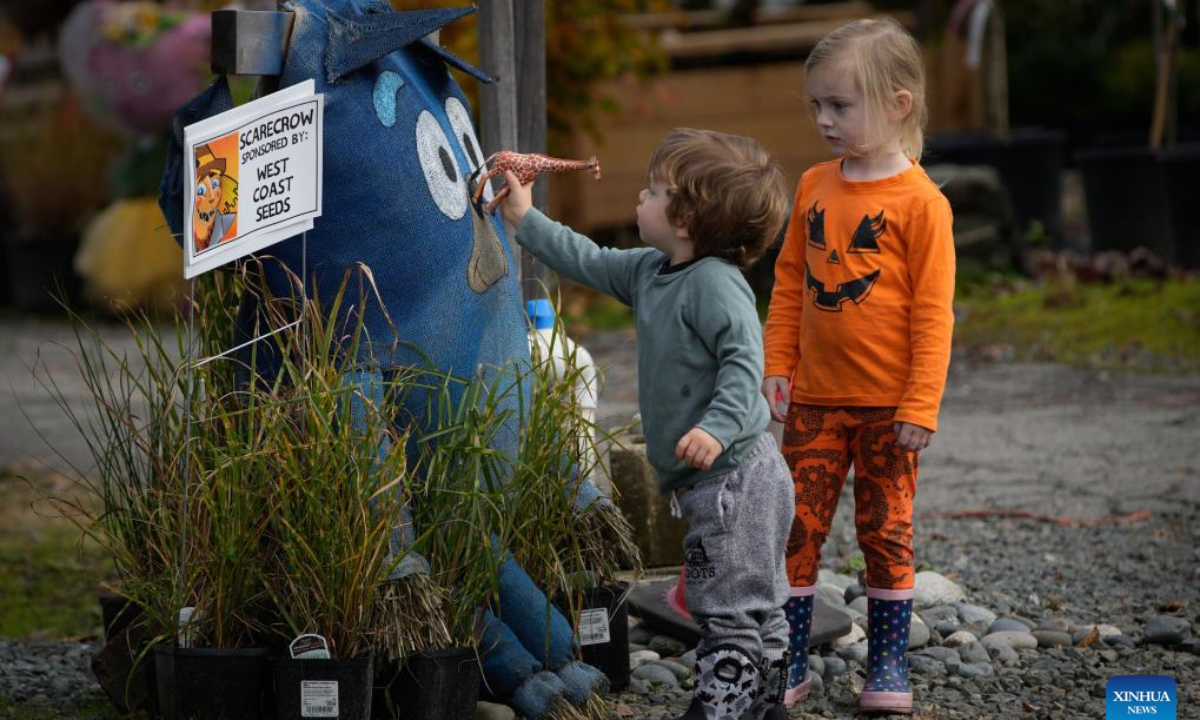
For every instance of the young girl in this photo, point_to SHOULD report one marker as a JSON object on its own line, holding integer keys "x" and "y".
{"x": 858, "y": 335}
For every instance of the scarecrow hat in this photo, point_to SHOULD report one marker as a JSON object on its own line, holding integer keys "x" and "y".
{"x": 207, "y": 162}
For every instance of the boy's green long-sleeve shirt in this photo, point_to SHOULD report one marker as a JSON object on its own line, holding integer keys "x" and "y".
{"x": 700, "y": 352}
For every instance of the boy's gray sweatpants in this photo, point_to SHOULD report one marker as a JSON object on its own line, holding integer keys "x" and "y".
{"x": 735, "y": 550}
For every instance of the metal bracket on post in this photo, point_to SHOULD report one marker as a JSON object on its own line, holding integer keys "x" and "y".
{"x": 250, "y": 42}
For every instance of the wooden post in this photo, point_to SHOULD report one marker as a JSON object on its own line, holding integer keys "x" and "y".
{"x": 531, "y": 119}
{"x": 512, "y": 48}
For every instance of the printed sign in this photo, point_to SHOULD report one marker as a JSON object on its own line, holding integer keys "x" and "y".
{"x": 1135, "y": 696}
{"x": 318, "y": 698}
{"x": 253, "y": 177}
{"x": 593, "y": 627}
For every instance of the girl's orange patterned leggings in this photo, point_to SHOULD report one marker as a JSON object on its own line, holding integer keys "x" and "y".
{"x": 820, "y": 444}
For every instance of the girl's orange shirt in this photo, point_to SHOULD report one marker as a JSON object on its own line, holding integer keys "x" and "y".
{"x": 862, "y": 310}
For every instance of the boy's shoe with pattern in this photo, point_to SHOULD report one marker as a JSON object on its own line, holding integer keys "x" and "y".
{"x": 799, "y": 612}
{"x": 769, "y": 704}
{"x": 889, "y": 615}
{"x": 727, "y": 683}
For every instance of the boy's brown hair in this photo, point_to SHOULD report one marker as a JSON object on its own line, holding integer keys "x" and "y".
{"x": 725, "y": 189}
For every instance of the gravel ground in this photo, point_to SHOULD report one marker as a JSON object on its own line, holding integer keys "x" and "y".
{"x": 1073, "y": 446}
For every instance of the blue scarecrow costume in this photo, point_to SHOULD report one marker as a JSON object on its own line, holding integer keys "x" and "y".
{"x": 399, "y": 146}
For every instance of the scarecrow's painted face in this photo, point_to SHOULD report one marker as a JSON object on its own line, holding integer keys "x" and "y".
{"x": 865, "y": 241}
{"x": 208, "y": 194}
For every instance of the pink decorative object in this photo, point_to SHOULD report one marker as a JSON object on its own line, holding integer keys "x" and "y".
{"x": 134, "y": 63}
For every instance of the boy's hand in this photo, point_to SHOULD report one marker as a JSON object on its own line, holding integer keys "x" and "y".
{"x": 912, "y": 437}
{"x": 518, "y": 202}
{"x": 698, "y": 449}
{"x": 776, "y": 389}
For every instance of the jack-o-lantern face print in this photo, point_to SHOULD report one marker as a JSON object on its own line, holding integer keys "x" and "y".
{"x": 865, "y": 241}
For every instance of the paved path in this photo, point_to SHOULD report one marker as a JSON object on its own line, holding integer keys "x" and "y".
{"x": 1046, "y": 438}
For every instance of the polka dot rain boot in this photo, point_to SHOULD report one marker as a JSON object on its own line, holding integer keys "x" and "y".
{"x": 889, "y": 613}
{"x": 799, "y": 612}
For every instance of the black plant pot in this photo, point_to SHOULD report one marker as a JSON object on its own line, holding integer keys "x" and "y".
{"x": 212, "y": 683}
{"x": 40, "y": 270}
{"x": 1127, "y": 202}
{"x": 1030, "y": 165}
{"x": 1181, "y": 176}
{"x": 124, "y": 666}
{"x": 117, "y": 612}
{"x": 322, "y": 688}
{"x": 603, "y": 627}
{"x": 435, "y": 685}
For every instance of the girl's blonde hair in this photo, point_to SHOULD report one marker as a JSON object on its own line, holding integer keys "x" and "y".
{"x": 886, "y": 60}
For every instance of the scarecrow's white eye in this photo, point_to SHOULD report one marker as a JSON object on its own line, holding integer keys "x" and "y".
{"x": 446, "y": 183}
{"x": 464, "y": 132}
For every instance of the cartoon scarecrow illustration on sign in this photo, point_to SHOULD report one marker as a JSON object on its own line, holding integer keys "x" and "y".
{"x": 215, "y": 207}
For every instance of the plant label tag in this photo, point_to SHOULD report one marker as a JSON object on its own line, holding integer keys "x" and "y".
{"x": 309, "y": 647}
{"x": 319, "y": 698}
{"x": 186, "y": 633}
{"x": 593, "y": 627}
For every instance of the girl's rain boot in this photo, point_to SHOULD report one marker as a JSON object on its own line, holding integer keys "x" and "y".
{"x": 727, "y": 684}
{"x": 799, "y": 612}
{"x": 889, "y": 614}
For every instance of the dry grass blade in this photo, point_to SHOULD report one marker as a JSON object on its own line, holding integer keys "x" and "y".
{"x": 563, "y": 710}
{"x": 597, "y": 708}
{"x": 410, "y": 616}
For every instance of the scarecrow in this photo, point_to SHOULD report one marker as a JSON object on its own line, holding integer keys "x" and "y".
{"x": 400, "y": 148}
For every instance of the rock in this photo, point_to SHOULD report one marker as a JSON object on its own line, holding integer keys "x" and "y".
{"x": 941, "y": 654}
{"x": 640, "y": 635}
{"x": 975, "y": 670}
{"x": 1121, "y": 640}
{"x": 959, "y": 638}
{"x": 655, "y": 674}
{"x": 642, "y": 657}
{"x": 939, "y": 613}
{"x": 925, "y": 665}
{"x": 855, "y": 635}
{"x": 858, "y": 605}
{"x": 1165, "y": 630}
{"x": 918, "y": 634}
{"x": 818, "y": 686}
{"x": 853, "y": 653}
{"x": 935, "y": 589}
{"x": 1008, "y": 623}
{"x": 1014, "y": 640}
{"x": 639, "y": 686}
{"x": 971, "y": 614}
{"x": 1082, "y": 632}
{"x": 667, "y": 646}
{"x": 853, "y": 592}
{"x": 830, "y": 620}
{"x": 634, "y": 647}
{"x": 1052, "y": 638}
{"x": 832, "y": 667}
{"x": 945, "y": 628}
{"x": 1054, "y": 623}
{"x": 679, "y": 670}
{"x": 493, "y": 711}
{"x": 826, "y": 576}
{"x": 1003, "y": 654}
{"x": 974, "y": 652}
{"x": 832, "y": 594}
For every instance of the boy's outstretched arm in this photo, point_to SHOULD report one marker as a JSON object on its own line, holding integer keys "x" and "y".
{"x": 574, "y": 256}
